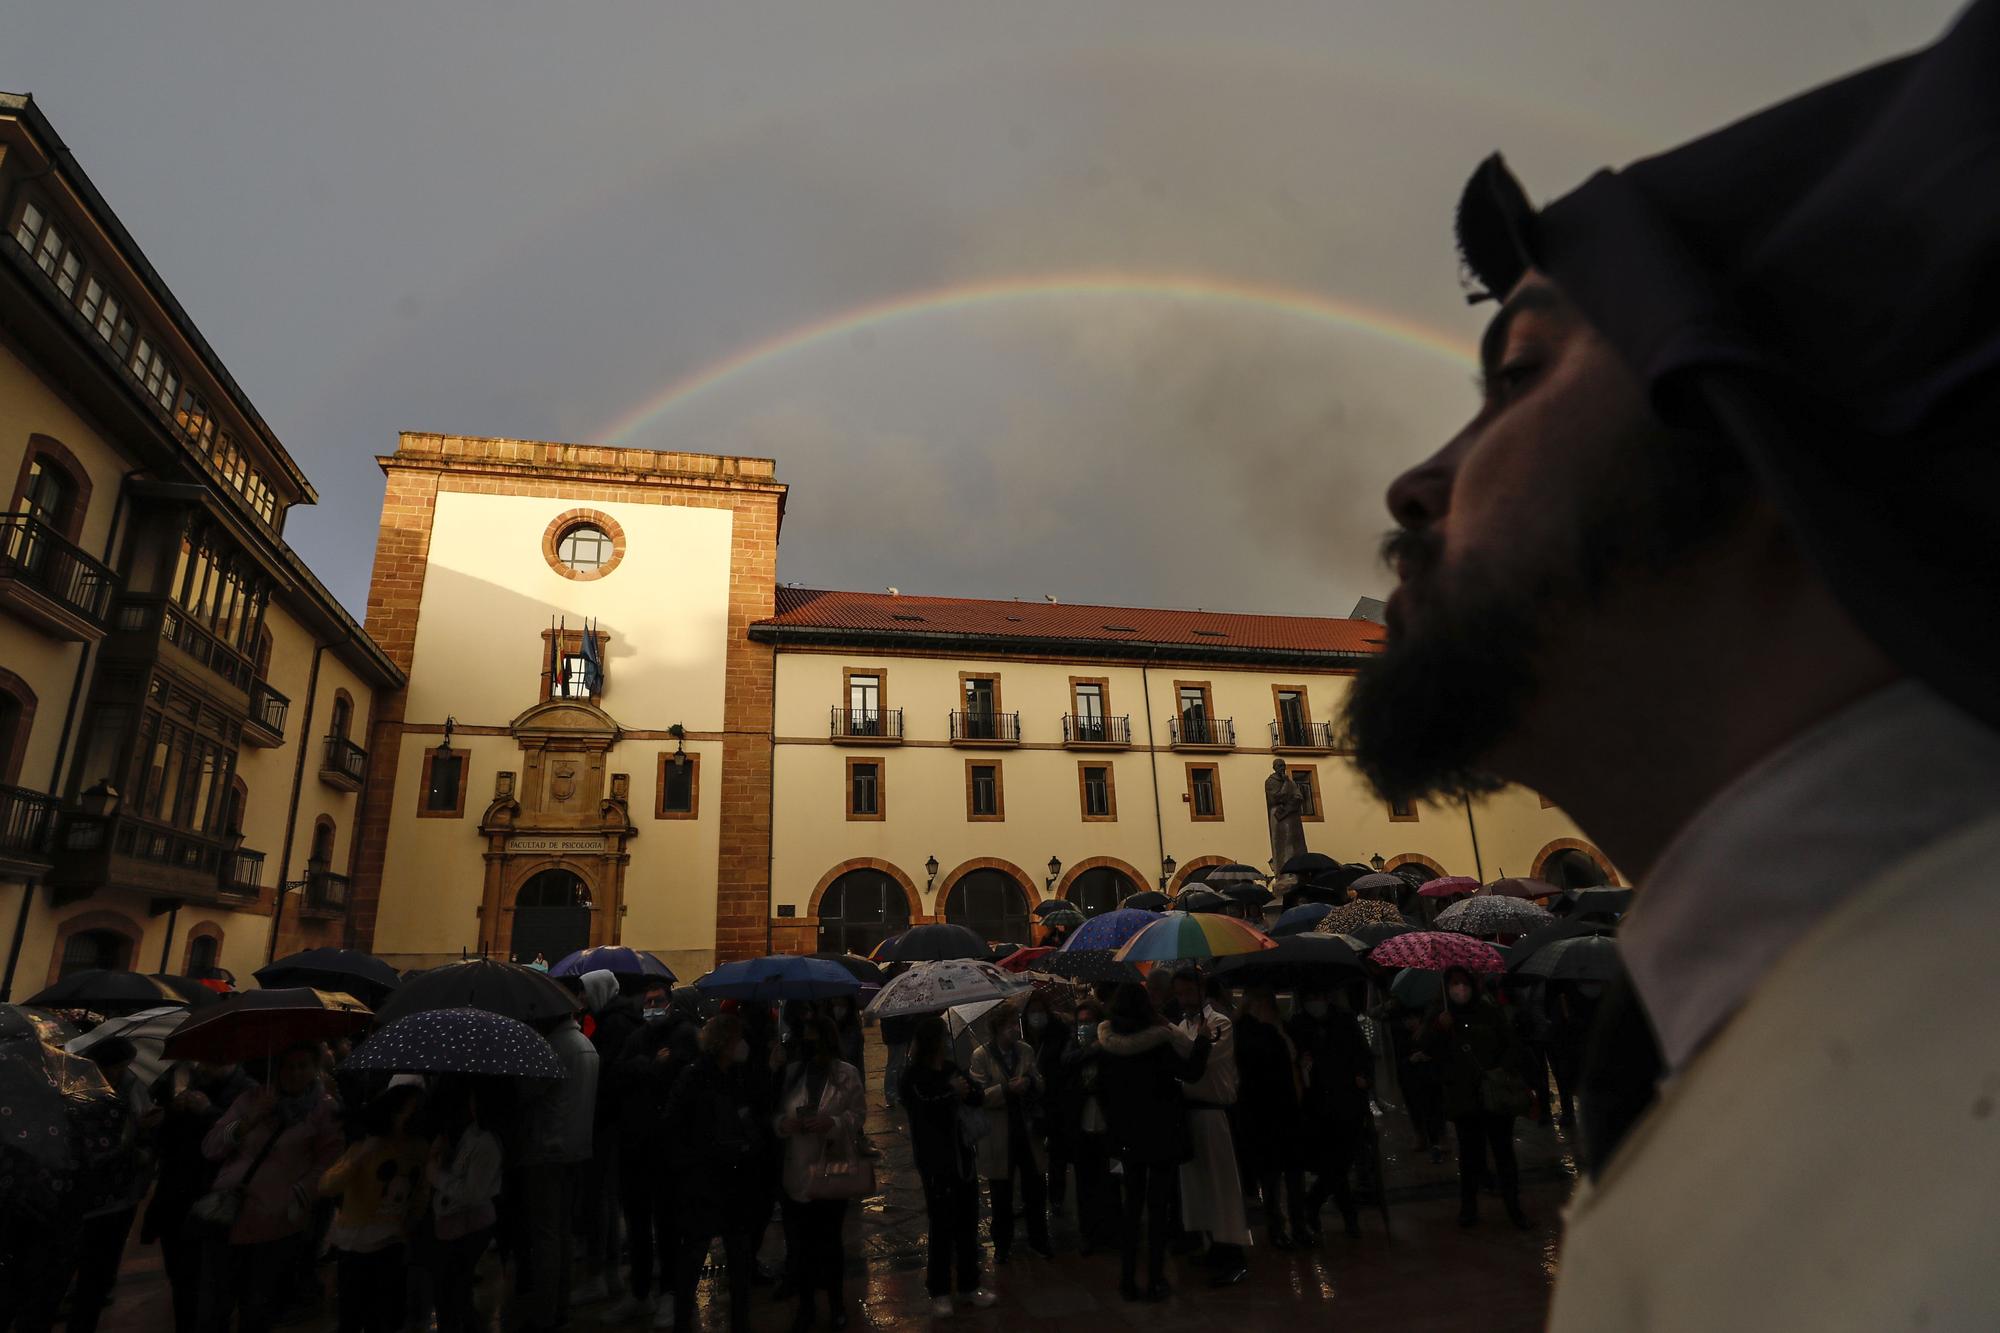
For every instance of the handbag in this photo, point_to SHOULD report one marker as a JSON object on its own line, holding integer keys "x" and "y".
{"x": 220, "y": 1207}
{"x": 972, "y": 1124}
{"x": 1504, "y": 1092}
{"x": 840, "y": 1173}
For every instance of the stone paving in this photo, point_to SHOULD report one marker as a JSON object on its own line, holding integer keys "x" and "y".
{"x": 1424, "y": 1273}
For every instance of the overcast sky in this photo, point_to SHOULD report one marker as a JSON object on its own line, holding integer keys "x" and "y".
{"x": 497, "y": 218}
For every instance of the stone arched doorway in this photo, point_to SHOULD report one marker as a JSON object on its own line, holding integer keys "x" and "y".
{"x": 859, "y": 910}
{"x": 1099, "y": 885}
{"x": 1571, "y": 869}
{"x": 991, "y": 903}
{"x": 551, "y": 916}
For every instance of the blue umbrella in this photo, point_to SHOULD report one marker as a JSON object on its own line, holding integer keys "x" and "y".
{"x": 616, "y": 959}
{"x": 1297, "y": 920}
{"x": 785, "y": 977}
{"x": 458, "y": 1041}
{"x": 1108, "y": 930}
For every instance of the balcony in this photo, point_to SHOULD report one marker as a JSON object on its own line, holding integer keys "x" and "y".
{"x": 982, "y": 728}
{"x": 266, "y": 727}
{"x": 867, "y": 726}
{"x": 1305, "y": 737}
{"x": 131, "y": 852}
{"x": 344, "y": 764}
{"x": 1085, "y": 732}
{"x": 27, "y": 829}
{"x": 243, "y": 874}
{"x": 1201, "y": 733}
{"x": 144, "y": 623}
{"x": 52, "y": 584}
{"x": 324, "y": 893}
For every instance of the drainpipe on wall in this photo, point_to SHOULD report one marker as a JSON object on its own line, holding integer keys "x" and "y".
{"x": 292, "y": 813}
{"x": 1153, "y": 755}
{"x": 771, "y": 814}
{"x": 354, "y": 830}
{"x": 167, "y": 945}
{"x": 1477, "y": 867}
{"x": 20, "y": 930}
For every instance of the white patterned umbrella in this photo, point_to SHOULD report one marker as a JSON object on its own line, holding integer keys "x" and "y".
{"x": 1493, "y": 916}
{"x": 458, "y": 1041}
{"x": 929, "y": 988}
{"x": 147, "y": 1030}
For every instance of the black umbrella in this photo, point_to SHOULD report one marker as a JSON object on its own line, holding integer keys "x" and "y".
{"x": 1091, "y": 965}
{"x": 458, "y": 1041}
{"x": 264, "y": 1022}
{"x": 1146, "y": 900}
{"x": 1253, "y": 896}
{"x": 481, "y": 983}
{"x": 362, "y": 975}
{"x": 1299, "y": 960}
{"x": 1563, "y": 928}
{"x": 105, "y": 992}
{"x": 1382, "y": 888}
{"x": 1296, "y": 920}
{"x": 1054, "y": 905}
{"x": 863, "y": 971}
{"x": 1235, "y": 872}
{"x": 1371, "y": 933}
{"x": 929, "y": 944}
{"x": 1608, "y": 904}
{"x": 1307, "y": 865}
{"x": 1199, "y": 899}
{"x": 1578, "y": 958}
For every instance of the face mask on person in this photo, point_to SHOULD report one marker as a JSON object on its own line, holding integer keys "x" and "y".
{"x": 654, "y": 1012}
{"x": 1461, "y": 994}
{"x": 1316, "y": 1008}
{"x": 740, "y": 1052}
{"x": 1036, "y": 1022}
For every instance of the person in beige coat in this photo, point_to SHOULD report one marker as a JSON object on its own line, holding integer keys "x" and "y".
{"x": 821, "y": 1110}
{"x": 1012, "y": 1149}
{"x": 1711, "y": 568}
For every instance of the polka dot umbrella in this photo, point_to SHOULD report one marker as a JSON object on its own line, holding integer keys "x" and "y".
{"x": 458, "y": 1041}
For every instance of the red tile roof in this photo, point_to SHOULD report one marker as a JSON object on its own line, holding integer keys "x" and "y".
{"x": 827, "y": 616}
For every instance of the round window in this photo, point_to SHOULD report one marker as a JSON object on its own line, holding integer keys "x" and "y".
{"x": 585, "y": 548}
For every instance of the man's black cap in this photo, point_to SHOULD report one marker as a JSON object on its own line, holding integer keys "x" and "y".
{"x": 1821, "y": 281}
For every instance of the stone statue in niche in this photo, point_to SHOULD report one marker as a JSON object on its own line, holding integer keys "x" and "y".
{"x": 1285, "y": 801}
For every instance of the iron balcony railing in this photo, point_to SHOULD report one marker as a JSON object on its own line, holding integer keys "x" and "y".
{"x": 868, "y": 724}
{"x": 243, "y": 873}
{"x": 325, "y": 891}
{"x": 138, "y": 616}
{"x": 995, "y": 728}
{"x": 131, "y": 835}
{"x": 268, "y": 708}
{"x": 1288, "y": 734}
{"x": 1218, "y": 732}
{"x": 345, "y": 759}
{"x": 1083, "y": 729}
{"x": 35, "y": 555}
{"x": 27, "y": 822}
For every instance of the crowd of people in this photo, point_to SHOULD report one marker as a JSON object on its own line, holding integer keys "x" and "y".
{"x": 1164, "y": 1113}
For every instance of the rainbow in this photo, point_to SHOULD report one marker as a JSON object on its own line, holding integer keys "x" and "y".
{"x": 1177, "y": 288}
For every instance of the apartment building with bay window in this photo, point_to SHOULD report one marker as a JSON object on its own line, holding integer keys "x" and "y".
{"x": 182, "y": 703}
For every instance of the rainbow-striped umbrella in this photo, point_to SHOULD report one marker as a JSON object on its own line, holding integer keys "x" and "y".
{"x": 1181, "y": 935}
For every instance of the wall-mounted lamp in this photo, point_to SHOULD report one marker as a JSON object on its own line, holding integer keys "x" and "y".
{"x": 679, "y": 733}
{"x": 1055, "y": 870}
{"x": 444, "y": 746}
{"x": 931, "y": 869}
{"x": 1167, "y": 868}
{"x": 99, "y": 800}
{"x": 1377, "y": 861}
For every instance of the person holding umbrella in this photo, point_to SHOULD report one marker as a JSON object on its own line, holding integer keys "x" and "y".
{"x": 820, "y": 1112}
{"x": 554, "y": 1155}
{"x": 937, "y": 1096}
{"x": 720, "y": 1138}
{"x": 1478, "y": 1053}
{"x": 1268, "y": 1122}
{"x": 106, "y": 1227}
{"x": 1012, "y": 1147}
{"x": 654, "y": 1057}
{"x": 273, "y": 1144}
{"x": 1211, "y": 1189}
{"x": 193, "y": 1097}
{"x": 1334, "y": 1064}
{"x": 464, "y": 1171}
{"x": 380, "y": 1182}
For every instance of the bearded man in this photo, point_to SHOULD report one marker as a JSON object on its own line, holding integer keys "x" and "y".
{"x": 1713, "y": 567}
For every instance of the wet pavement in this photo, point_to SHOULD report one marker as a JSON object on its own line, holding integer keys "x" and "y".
{"x": 1424, "y": 1272}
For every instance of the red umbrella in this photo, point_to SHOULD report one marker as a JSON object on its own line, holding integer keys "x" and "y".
{"x": 1438, "y": 951}
{"x": 264, "y": 1022}
{"x": 1022, "y": 959}
{"x": 1450, "y": 886}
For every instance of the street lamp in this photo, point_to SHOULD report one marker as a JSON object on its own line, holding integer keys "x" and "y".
{"x": 1055, "y": 869}
{"x": 444, "y": 746}
{"x": 931, "y": 869}
{"x": 1377, "y": 861}
{"x": 679, "y": 733}
{"x": 1166, "y": 872}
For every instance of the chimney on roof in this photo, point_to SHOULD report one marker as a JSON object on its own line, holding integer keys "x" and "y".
{"x": 1369, "y": 608}
{"x": 895, "y": 592}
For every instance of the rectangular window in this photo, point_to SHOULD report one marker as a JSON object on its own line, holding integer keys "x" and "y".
{"x": 1402, "y": 812}
{"x": 28, "y": 227}
{"x": 1088, "y": 705}
{"x": 443, "y": 790}
{"x": 1195, "y": 712}
{"x": 121, "y": 336}
{"x": 983, "y": 797}
{"x": 865, "y": 789}
{"x": 69, "y": 272}
{"x": 679, "y": 787}
{"x": 1100, "y": 798}
{"x": 1308, "y": 780}
{"x": 568, "y": 671}
{"x": 982, "y": 707}
{"x": 1294, "y": 722}
{"x": 1204, "y": 793}
{"x": 864, "y": 703}
{"x": 48, "y": 255}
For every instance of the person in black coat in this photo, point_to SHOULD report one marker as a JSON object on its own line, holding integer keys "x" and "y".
{"x": 1141, "y": 1065}
{"x": 1334, "y": 1067}
{"x": 719, "y": 1138}
{"x": 1268, "y": 1120}
{"x": 934, "y": 1091}
{"x": 643, "y": 1077}
{"x": 1050, "y": 1038}
{"x": 193, "y": 1098}
{"x": 1469, "y": 1038}
{"x": 1096, "y": 1195}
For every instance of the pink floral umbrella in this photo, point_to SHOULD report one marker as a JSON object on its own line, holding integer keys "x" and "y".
{"x": 1450, "y": 886}
{"x": 1438, "y": 951}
